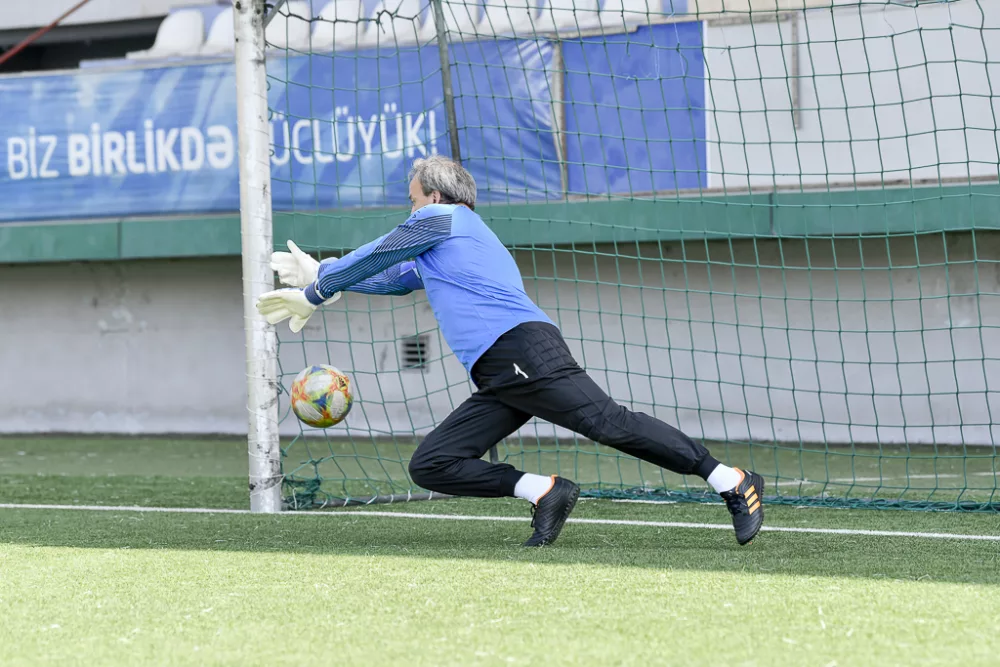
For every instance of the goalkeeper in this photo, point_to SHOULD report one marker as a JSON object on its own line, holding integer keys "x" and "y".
{"x": 516, "y": 357}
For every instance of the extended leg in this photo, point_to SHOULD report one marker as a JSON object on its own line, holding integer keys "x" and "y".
{"x": 574, "y": 401}
{"x": 531, "y": 369}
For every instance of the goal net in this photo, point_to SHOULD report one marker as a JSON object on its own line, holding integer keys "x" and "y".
{"x": 771, "y": 223}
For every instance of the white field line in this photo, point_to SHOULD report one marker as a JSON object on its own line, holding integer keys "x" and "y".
{"x": 641, "y": 501}
{"x": 889, "y": 478}
{"x": 462, "y": 517}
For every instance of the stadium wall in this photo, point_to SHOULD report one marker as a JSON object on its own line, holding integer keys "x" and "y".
{"x": 146, "y": 342}
{"x": 726, "y": 353}
{"x": 862, "y": 93}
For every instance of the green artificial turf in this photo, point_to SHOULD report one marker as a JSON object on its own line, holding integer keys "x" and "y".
{"x": 83, "y": 587}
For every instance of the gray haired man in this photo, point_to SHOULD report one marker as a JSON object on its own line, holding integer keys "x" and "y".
{"x": 515, "y": 355}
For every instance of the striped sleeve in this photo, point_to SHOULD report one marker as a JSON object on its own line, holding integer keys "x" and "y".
{"x": 418, "y": 234}
{"x": 396, "y": 280}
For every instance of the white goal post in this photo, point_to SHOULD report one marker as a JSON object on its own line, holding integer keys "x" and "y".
{"x": 257, "y": 240}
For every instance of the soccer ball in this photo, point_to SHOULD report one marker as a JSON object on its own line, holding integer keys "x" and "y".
{"x": 321, "y": 396}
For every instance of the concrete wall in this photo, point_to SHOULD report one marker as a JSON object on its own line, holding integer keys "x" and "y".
{"x": 781, "y": 340}
{"x": 881, "y": 92}
{"x": 125, "y": 347}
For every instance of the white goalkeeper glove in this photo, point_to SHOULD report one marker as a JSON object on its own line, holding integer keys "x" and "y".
{"x": 295, "y": 268}
{"x": 289, "y": 304}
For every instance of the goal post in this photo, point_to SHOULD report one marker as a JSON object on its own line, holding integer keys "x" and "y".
{"x": 774, "y": 225}
{"x": 257, "y": 244}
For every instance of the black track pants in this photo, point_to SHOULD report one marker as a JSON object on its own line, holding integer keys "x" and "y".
{"x": 530, "y": 372}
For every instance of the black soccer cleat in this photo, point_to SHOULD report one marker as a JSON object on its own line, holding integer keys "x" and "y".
{"x": 552, "y": 510}
{"x": 744, "y": 503}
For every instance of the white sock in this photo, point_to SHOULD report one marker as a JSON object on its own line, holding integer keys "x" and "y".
{"x": 724, "y": 478}
{"x": 532, "y": 487}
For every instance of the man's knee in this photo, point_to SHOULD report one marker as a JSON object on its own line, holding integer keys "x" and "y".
{"x": 423, "y": 470}
{"x": 430, "y": 469}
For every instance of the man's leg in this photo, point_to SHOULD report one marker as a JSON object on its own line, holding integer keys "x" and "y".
{"x": 573, "y": 400}
{"x": 449, "y": 460}
{"x": 531, "y": 369}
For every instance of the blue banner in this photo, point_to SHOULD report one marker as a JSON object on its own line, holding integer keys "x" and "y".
{"x": 102, "y": 144}
{"x": 635, "y": 119}
{"x": 345, "y": 128}
{"x": 507, "y": 134}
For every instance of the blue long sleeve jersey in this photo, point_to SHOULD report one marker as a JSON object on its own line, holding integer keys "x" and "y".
{"x": 472, "y": 282}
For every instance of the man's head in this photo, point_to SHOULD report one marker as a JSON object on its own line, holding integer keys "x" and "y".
{"x": 441, "y": 180}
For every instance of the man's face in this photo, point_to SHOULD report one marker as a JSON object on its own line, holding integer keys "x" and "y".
{"x": 417, "y": 197}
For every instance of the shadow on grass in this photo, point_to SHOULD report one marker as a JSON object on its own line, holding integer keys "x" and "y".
{"x": 856, "y": 556}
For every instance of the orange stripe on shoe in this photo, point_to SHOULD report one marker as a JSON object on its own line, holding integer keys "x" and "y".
{"x": 547, "y": 490}
{"x": 751, "y": 499}
{"x": 753, "y": 508}
{"x": 749, "y": 490}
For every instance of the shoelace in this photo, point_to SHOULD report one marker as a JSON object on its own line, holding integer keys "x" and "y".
{"x": 734, "y": 502}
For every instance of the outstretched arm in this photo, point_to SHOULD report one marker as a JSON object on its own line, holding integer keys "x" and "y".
{"x": 396, "y": 280}
{"x": 283, "y": 304}
{"x": 421, "y": 232}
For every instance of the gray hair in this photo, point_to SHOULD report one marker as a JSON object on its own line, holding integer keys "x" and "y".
{"x": 454, "y": 182}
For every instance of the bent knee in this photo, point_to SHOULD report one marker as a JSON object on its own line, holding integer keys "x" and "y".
{"x": 431, "y": 472}
{"x": 422, "y": 471}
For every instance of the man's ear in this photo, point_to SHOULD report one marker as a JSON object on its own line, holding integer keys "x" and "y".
{"x": 436, "y": 197}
